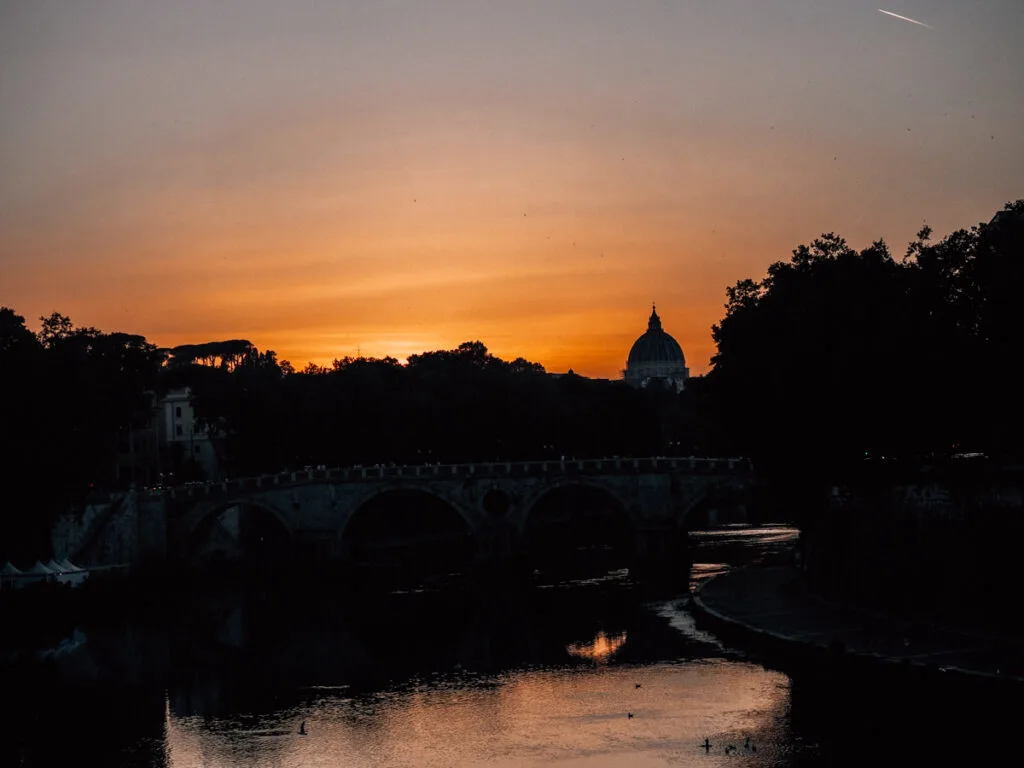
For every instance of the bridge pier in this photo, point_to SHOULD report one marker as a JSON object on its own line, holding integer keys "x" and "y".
{"x": 661, "y": 554}
{"x": 316, "y": 547}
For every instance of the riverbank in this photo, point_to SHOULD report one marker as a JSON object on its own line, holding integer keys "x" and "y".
{"x": 766, "y": 605}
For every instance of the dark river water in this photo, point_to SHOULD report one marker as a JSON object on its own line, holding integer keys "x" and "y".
{"x": 549, "y": 676}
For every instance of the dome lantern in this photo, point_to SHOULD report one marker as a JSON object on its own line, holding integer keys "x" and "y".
{"x": 654, "y": 324}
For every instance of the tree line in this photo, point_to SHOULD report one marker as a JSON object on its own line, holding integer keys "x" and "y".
{"x": 444, "y": 406}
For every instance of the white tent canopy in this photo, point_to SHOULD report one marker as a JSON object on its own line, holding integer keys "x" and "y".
{"x": 61, "y": 571}
{"x": 9, "y": 576}
{"x": 38, "y": 570}
{"x": 36, "y": 574}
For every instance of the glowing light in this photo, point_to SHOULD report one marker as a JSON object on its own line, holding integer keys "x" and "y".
{"x": 600, "y": 649}
{"x": 906, "y": 18}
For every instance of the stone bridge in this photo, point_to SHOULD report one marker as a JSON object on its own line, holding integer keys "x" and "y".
{"x": 659, "y": 496}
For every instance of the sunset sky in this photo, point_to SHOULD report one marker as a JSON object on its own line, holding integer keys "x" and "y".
{"x": 322, "y": 177}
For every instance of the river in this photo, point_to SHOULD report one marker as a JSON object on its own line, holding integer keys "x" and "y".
{"x": 580, "y": 674}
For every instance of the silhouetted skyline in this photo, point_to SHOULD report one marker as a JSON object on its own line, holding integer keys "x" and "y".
{"x": 393, "y": 177}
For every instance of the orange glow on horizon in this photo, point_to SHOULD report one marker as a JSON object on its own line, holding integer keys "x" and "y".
{"x": 394, "y": 183}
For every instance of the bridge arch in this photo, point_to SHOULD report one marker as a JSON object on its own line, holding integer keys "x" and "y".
{"x": 408, "y": 533}
{"x": 237, "y": 529}
{"x": 578, "y": 527}
{"x": 373, "y": 492}
{"x": 520, "y": 515}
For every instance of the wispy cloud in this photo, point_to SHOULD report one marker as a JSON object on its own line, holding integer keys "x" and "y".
{"x": 906, "y": 18}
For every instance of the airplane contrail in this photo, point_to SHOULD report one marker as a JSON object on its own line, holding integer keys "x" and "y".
{"x": 906, "y": 18}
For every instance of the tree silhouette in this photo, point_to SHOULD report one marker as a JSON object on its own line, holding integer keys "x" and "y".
{"x": 838, "y": 353}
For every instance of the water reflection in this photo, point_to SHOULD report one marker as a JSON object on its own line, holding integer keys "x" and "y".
{"x": 600, "y": 650}
{"x": 234, "y": 650}
{"x": 525, "y": 718}
{"x": 445, "y": 679}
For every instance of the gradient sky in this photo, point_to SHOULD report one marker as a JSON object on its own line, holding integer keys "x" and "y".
{"x": 389, "y": 176}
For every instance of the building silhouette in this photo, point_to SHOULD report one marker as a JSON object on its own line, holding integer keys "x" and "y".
{"x": 656, "y": 359}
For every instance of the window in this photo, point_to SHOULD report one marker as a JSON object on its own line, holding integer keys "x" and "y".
{"x": 177, "y": 412}
{"x": 195, "y": 449}
{"x": 177, "y": 429}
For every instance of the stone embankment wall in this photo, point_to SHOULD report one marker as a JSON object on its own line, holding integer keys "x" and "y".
{"x": 120, "y": 530}
{"x": 943, "y": 551}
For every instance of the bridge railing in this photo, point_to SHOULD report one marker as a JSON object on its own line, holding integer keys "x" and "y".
{"x": 617, "y": 465}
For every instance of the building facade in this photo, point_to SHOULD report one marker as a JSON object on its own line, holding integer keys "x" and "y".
{"x": 170, "y": 448}
{"x": 185, "y": 445}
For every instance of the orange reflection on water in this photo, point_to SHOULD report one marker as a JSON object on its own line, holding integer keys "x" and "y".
{"x": 600, "y": 649}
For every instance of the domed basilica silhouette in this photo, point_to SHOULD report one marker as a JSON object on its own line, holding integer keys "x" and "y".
{"x": 656, "y": 359}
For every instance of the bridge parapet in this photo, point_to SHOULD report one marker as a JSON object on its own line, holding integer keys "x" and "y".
{"x": 498, "y": 469}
